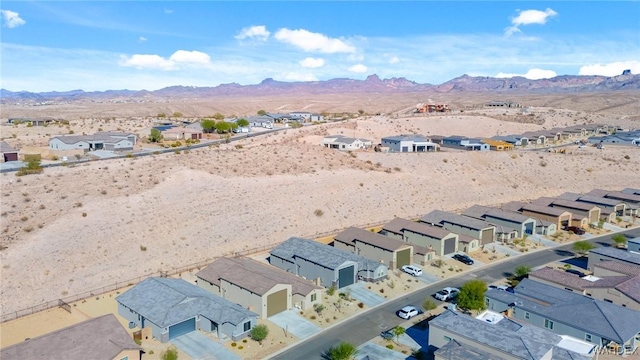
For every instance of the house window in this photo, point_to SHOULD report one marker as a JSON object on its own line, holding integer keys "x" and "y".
{"x": 548, "y": 324}
{"x": 446, "y": 338}
{"x": 607, "y": 300}
{"x": 247, "y": 326}
{"x": 527, "y": 315}
{"x": 125, "y": 358}
{"x": 313, "y": 297}
{"x": 587, "y": 337}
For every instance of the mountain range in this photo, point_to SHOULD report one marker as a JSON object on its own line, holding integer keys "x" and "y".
{"x": 372, "y": 84}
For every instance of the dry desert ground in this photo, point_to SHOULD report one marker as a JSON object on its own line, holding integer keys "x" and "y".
{"x": 73, "y": 229}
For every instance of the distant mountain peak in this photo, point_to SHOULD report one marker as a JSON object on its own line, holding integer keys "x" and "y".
{"x": 373, "y": 78}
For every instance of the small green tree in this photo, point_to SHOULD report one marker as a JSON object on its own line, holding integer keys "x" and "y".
{"x": 224, "y": 127}
{"x": 429, "y": 305}
{"x": 32, "y": 167}
{"x": 397, "y": 332}
{"x": 170, "y": 354}
{"x": 242, "y": 122}
{"x": 261, "y": 112}
{"x": 319, "y": 308}
{"x": 583, "y": 247}
{"x": 208, "y": 125}
{"x": 471, "y": 295}
{"x": 259, "y": 333}
{"x": 155, "y": 135}
{"x": 619, "y": 240}
{"x": 342, "y": 351}
{"x": 522, "y": 271}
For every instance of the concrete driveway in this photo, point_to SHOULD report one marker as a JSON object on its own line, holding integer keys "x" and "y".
{"x": 291, "y": 321}
{"x": 201, "y": 347}
{"x": 375, "y": 351}
{"x": 360, "y": 292}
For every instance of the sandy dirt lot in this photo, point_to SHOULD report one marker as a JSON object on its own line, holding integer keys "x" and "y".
{"x": 73, "y": 229}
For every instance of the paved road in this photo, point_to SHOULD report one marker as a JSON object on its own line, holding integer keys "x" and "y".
{"x": 367, "y": 326}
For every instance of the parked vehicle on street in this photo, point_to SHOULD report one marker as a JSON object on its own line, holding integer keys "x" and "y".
{"x": 446, "y": 294}
{"x": 408, "y": 312}
{"x": 465, "y": 259}
{"x": 574, "y": 229}
{"x": 412, "y": 270}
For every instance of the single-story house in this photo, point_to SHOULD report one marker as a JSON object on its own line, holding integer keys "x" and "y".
{"x": 409, "y": 143}
{"x": 559, "y": 217}
{"x": 181, "y": 133}
{"x": 324, "y": 264}
{"x": 515, "y": 140}
{"x": 33, "y": 121}
{"x": 434, "y": 238}
{"x": 492, "y": 336}
{"x": 174, "y": 307}
{"x": 535, "y": 137}
{"x": 307, "y": 116}
{"x": 460, "y": 224}
{"x": 503, "y": 104}
{"x": 610, "y": 253}
{"x": 615, "y": 286}
{"x": 258, "y": 287}
{"x": 544, "y": 227}
{"x": 8, "y": 153}
{"x": 341, "y": 142}
{"x": 498, "y": 145}
{"x": 568, "y": 313}
{"x": 589, "y": 213}
{"x": 390, "y": 251}
{"x": 468, "y": 244}
{"x": 632, "y": 201}
{"x": 97, "y": 141}
{"x": 100, "y": 338}
{"x": 523, "y": 224}
{"x": 465, "y": 143}
{"x": 262, "y": 121}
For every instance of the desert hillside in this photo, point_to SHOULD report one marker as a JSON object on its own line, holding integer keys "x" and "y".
{"x": 73, "y": 229}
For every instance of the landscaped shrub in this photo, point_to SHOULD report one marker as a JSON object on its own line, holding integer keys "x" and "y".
{"x": 390, "y": 346}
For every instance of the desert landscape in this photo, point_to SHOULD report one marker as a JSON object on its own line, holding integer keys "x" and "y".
{"x": 73, "y": 229}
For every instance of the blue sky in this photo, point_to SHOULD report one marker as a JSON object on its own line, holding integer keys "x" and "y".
{"x": 95, "y": 46}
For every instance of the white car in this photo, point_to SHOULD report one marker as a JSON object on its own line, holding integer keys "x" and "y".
{"x": 408, "y": 312}
{"x": 447, "y": 293}
{"x": 412, "y": 270}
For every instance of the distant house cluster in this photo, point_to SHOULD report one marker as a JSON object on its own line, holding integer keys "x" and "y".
{"x": 341, "y": 142}
{"x": 618, "y": 138}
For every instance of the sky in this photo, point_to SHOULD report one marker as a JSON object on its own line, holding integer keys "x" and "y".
{"x": 135, "y": 45}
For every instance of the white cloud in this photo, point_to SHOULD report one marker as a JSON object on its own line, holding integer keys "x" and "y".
{"x": 192, "y": 57}
{"x": 528, "y": 17}
{"x": 394, "y": 60}
{"x": 12, "y": 19}
{"x": 310, "y": 41}
{"x": 312, "y": 62}
{"x": 259, "y": 32}
{"x": 611, "y": 69}
{"x": 359, "y": 68}
{"x": 168, "y": 11}
{"x": 532, "y": 74}
{"x": 142, "y": 39}
{"x": 148, "y": 61}
{"x": 293, "y": 76}
{"x": 141, "y": 61}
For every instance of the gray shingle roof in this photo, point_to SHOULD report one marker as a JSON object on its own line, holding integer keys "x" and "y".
{"x": 605, "y": 319}
{"x": 441, "y": 217}
{"x": 253, "y": 276}
{"x": 478, "y": 211}
{"x": 564, "y": 278}
{"x": 619, "y": 267}
{"x": 398, "y": 225}
{"x": 544, "y": 210}
{"x": 619, "y": 254}
{"x": 508, "y": 336}
{"x": 453, "y": 350}
{"x": 321, "y": 254}
{"x": 6, "y": 148}
{"x": 167, "y": 301}
{"x": 408, "y": 137}
{"x": 631, "y": 191}
{"x": 631, "y": 288}
{"x": 108, "y": 137}
{"x": 619, "y": 195}
{"x": 101, "y": 338}
{"x": 349, "y": 235}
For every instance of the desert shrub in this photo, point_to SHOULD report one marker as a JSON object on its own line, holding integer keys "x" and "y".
{"x": 84, "y": 214}
{"x": 233, "y": 344}
{"x": 318, "y": 212}
{"x": 331, "y": 290}
{"x": 360, "y": 305}
{"x": 390, "y": 346}
{"x": 259, "y": 332}
{"x": 240, "y": 347}
{"x": 143, "y": 248}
